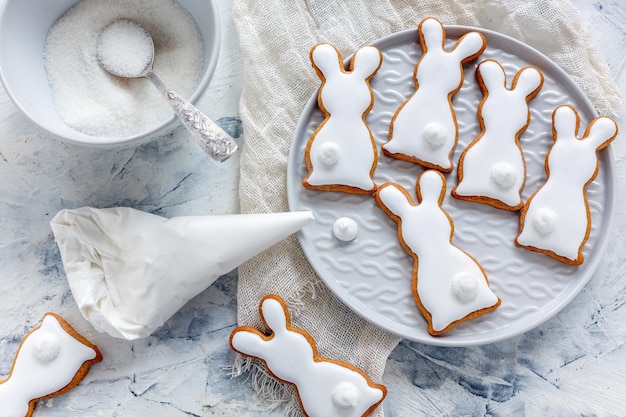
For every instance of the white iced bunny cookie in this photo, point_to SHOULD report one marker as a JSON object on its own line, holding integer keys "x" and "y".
{"x": 424, "y": 129}
{"x": 325, "y": 387}
{"x": 449, "y": 286}
{"x": 492, "y": 169}
{"x": 556, "y": 219}
{"x": 341, "y": 154}
{"x": 52, "y": 359}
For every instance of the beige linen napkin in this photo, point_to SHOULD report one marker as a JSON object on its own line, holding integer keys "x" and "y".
{"x": 276, "y": 36}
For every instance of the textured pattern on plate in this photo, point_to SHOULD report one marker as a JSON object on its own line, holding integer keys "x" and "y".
{"x": 372, "y": 274}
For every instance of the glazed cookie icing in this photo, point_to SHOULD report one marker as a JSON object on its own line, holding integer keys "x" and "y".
{"x": 48, "y": 361}
{"x": 449, "y": 286}
{"x": 341, "y": 154}
{"x": 492, "y": 169}
{"x": 345, "y": 229}
{"x": 429, "y": 112}
{"x": 325, "y": 387}
{"x": 556, "y": 219}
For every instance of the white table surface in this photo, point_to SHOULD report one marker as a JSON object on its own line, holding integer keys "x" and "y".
{"x": 573, "y": 365}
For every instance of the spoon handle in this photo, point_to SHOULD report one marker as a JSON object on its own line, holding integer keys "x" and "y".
{"x": 212, "y": 138}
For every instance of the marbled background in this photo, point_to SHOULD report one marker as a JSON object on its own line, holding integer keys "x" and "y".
{"x": 573, "y": 365}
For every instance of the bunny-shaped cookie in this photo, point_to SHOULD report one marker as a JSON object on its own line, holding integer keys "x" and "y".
{"x": 325, "y": 387}
{"x": 51, "y": 360}
{"x": 424, "y": 129}
{"x": 556, "y": 219}
{"x": 341, "y": 154}
{"x": 492, "y": 169}
{"x": 449, "y": 286}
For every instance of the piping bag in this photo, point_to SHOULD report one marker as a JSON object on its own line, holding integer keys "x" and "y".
{"x": 130, "y": 271}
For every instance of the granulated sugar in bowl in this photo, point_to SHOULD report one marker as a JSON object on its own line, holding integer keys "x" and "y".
{"x": 53, "y": 76}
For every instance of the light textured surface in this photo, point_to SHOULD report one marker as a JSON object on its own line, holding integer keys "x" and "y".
{"x": 572, "y": 365}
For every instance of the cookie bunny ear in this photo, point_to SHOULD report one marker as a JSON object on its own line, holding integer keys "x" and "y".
{"x": 601, "y": 131}
{"x": 431, "y": 186}
{"x": 528, "y": 80}
{"x": 248, "y": 341}
{"x": 274, "y": 314}
{"x": 366, "y": 61}
{"x": 469, "y": 46}
{"x": 565, "y": 122}
{"x": 394, "y": 199}
{"x": 326, "y": 58}
{"x": 466, "y": 48}
{"x": 432, "y": 33}
{"x": 491, "y": 75}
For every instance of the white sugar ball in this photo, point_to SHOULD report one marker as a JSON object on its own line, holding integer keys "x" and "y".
{"x": 345, "y": 229}
{"x": 544, "y": 221}
{"x": 464, "y": 287}
{"x": 503, "y": 175}
{"x": 47, "y": 347}
{"x": 435, "y": 134}
{"x": 346, "y": 395}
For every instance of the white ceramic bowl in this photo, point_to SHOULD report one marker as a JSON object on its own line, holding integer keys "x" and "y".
{"x": 24, "y": 25}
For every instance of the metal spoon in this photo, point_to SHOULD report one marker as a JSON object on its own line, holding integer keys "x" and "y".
{"x": 125, "y": 49}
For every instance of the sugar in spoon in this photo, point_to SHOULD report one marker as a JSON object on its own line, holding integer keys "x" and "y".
{"x": 125, "y": 49}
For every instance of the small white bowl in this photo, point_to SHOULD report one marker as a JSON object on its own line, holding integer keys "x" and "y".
{"x": 24, "y": 26}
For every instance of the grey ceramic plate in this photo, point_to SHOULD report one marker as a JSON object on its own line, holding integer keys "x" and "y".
{"x": 372, "y": 274}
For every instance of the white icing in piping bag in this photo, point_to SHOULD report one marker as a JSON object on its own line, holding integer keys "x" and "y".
{"x": 130, "y": 271}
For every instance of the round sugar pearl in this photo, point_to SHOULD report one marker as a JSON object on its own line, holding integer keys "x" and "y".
{"x": 464, "y": 287}
{"x": 47, "y": 347}
{"x": 346, "y": 395}
{"x": 544, "y": 221}
{"x": 329, "y": 153}
{"x": 435, "y": 134}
